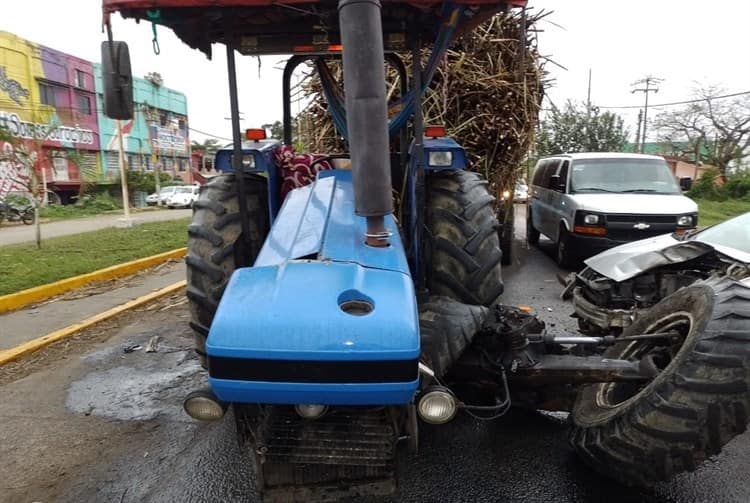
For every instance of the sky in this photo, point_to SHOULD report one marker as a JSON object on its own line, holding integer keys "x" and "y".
{"x": 687, "y": 43}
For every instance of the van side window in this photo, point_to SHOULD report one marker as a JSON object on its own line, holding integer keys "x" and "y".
{"x": 549, "y": 170}
{"x": 537, "y": 178}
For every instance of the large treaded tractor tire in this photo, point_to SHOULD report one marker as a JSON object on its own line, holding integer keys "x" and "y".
{"x": 215, "y": 249}
{"x": 697, "y": 403}
{"x": 463, "y": 251}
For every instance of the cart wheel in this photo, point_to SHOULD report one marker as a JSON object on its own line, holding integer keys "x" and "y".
{"x": 697, "y": 402}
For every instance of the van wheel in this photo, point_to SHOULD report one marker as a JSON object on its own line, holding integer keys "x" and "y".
{"x": 532, "y": 235}
{"x": 564, "y": 255}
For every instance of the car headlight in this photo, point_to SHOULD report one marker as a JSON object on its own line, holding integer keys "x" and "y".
{"x": 441, "y": 158}
{"x": 685, "y": 221}
{"x": 506, "y": 194}
{"x": 591, "y": 219}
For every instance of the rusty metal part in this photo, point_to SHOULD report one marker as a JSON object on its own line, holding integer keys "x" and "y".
{"x": 349, "y": 452}
{"x": 600, "y": 316}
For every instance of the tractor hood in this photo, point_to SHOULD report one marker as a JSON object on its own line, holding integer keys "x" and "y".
{"x": 631, "y": 259}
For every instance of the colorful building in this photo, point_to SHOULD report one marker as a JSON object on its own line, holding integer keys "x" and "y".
{"x": 48, "y": 103}
{"x": 156, "y": 138}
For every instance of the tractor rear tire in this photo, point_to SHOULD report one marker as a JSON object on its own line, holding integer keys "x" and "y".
{"x": 215, "y": 247}
{"x": 463, "y": 250}
{"x": 697, "y": 403}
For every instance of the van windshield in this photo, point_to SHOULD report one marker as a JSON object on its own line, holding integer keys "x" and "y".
{"x": 650, "y": 176}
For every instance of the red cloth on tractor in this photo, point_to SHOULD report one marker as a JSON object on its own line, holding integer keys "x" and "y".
{"x": 296, "y": 169}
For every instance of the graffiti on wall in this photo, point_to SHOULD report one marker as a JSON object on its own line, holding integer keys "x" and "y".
{"x": 45, "y": 132}
{"x": 12, "y": 87}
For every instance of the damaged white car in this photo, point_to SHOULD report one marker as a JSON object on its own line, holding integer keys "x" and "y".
{"x": 620, "y": 284}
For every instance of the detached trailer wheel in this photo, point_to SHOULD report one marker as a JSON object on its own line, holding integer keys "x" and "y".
{"x": 698, "y": 401}
{"x": 215, "y": 249}
{"x": 463, "y": 246}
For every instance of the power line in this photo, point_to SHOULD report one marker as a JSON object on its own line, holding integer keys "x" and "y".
{"x": 209, "y": 134}
{"x": 686, "y": 102}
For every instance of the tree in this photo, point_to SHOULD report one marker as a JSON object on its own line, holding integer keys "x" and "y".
{"x": 208, "y": 146}
{"x": 573, "y": 129}
{"x": 276, "y": 130}
{"x": 716, "y": 130}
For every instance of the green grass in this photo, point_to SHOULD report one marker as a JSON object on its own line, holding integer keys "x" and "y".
{"x": 713, "y": 212}
{"x": 24, "y": 266}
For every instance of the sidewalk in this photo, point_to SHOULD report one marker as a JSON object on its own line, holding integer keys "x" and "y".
{"x": 25, "y": 233}
{"x": 27, "y": 324}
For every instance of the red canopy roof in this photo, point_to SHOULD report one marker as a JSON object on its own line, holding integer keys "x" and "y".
{"x": 284, "y": 26}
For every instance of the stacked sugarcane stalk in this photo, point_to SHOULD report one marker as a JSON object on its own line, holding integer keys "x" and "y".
{"x": 487, "y": 92}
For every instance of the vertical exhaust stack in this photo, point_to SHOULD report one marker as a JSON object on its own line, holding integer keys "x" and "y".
{"x": 366, "y": 113}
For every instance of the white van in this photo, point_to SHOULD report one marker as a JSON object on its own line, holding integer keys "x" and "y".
{"x": 589, "y": 202}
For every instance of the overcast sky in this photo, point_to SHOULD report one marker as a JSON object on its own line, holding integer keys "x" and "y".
{"x": 683, "y": 42}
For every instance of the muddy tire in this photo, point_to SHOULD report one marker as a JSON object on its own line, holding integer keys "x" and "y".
{"x": 463, "y": 250}
{"x": 697, "y": 403}
{"x": 215, "y": 249}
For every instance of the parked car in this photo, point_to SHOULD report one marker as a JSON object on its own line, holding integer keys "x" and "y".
{"x": 184, "y": 197}
{"x": 164, "y": 194}
{"x": 590, "y": 202}
{"x": 521, "y": 194}
{"x": 618, "y": 285}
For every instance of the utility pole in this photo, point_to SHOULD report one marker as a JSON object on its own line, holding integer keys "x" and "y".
{"x": 638, "y": 133}
{"x": 650, "y": 87}
{"x": 125, "y": 221}
{"x": 588, "y": 113}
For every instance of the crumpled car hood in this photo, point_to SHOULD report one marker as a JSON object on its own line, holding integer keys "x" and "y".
{"x": 631, "y": 259}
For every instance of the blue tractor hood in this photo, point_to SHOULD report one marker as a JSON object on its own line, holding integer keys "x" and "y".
{"x": 321, "y": 317}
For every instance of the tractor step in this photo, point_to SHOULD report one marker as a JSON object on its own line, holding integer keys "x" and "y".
{"x": 349, "y": 452}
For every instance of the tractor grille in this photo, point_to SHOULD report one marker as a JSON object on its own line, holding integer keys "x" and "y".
{"x": 349, "y": 451}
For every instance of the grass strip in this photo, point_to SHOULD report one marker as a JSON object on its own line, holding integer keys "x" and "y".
{"x": 713, "y": 212}
{"x": 24, "y": 266}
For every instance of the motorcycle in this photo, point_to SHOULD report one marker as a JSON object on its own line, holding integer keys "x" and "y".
{"x": 14, "y": 212}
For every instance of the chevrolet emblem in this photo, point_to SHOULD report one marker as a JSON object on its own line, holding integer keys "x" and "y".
{"x": 641, "y": 226}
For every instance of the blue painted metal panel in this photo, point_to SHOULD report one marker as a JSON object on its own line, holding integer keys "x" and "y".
{"x": 325, "y": 209}
{"x": 291, "y": 312}
{"x": 326, "y": 394}
{"x": 298, "y": 232}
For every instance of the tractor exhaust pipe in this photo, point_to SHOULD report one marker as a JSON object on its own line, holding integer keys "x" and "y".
{"x": 366, "y": 114}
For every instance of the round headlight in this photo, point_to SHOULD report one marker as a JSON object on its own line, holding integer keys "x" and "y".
{"x": 591, "y": 219}
{"x": 204, "y": 406}
{"x": 437, "y": 406}
{"x": 685, "y": 220}
{"x": 506, "y": 194}
{"x": 310, "y": 410}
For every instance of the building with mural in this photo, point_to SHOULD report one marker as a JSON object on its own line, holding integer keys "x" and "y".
{"x": 48, "y": 105}
{"x": 51, "y": 106}
{"x": 157, "y": 138}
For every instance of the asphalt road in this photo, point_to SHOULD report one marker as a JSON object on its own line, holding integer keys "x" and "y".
{"x": 19, "y": 233}
{"x": 107, "y": 426}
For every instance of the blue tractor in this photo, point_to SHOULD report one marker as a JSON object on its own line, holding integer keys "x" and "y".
{"x": 333, "y": 326}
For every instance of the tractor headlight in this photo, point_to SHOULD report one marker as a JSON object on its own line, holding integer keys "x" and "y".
{"x": 310, "y": 410}
{"x": 437, "y": 405}
{"x": 591, "y": 219}
{"x": 204, "y": 406}
{"x": 440, "y": 159}
{"x": 685, "y": 221}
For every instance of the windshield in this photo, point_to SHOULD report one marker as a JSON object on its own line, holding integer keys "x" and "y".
{"x": 184, "y": 190}
{"x": 635, "y": 175}
{"x": 733, "y": 233}
{"x": 167, "y": 190}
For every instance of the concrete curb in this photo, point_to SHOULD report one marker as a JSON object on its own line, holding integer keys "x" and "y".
{"x": 23, "y": 298}
{"x": 11, "y": 354}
